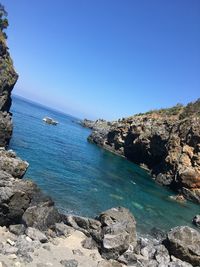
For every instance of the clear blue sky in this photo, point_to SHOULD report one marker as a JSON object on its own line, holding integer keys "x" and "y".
{"x": 106, "y": 58}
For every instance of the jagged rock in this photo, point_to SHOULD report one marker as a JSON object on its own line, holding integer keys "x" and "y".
{"x": 167, "y": 143}
{"x": 90, "y": 227}
{"x": 17, "y": 229}
{"x": 41, "y": 216}
{"x": 6, "y": 249}
{"x": 196, "y": 220}
{"x": 8, "y": 78}
{"x": 119, "y": 231}
{"x": 6, "y": 128}
{"x": 25, "y": 247}
{"x": 86, "y": 225}
{"x": 183, "y": 242}
{"x": 11, "y": 164}
{"x": 35, "y": 234}
{"x": 162, "y": 255}
{"x": 62, "y": 229}
{"x": 89, "y": 243}
{"x": 178, "y": 263}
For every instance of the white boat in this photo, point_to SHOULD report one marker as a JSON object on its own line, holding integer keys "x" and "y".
{"x": 50, "y": 121}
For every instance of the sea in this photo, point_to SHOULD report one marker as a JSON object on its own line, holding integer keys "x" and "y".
{"x": 84, "y": 179}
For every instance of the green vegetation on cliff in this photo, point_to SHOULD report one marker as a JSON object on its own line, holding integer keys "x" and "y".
{"x": 191, "y": 109}
{"x": 3, "y": 20}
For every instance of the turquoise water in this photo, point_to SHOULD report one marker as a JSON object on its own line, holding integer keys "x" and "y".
{"x": 85, "y": 179}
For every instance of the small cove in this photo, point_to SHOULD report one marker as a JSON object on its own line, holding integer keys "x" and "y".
{"x": 84, "y": 179}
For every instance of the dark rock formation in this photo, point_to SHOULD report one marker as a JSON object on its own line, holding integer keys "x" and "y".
{"x": 196, "y": 220}
{"x": 167, "y": 144}
{"x": 8, "y": 78}
{"x": 21, "y": 200}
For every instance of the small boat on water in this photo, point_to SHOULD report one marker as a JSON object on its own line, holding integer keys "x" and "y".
{"x": 50, "y": 121}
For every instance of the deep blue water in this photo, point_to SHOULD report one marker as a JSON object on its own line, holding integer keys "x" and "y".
{"x": 85, "y": 179}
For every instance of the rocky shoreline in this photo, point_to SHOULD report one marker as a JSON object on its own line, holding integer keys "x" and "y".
{"x": 166, "y": 142}
{"x": 33, "y": 232}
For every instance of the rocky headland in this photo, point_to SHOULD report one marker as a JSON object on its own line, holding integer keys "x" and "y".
{"x": 166, "y": 142}
{"x": 8, "y": 78}
{"x": 34, "y": 233}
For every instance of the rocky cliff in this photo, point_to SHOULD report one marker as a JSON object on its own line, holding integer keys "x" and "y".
{"x": 166, "y": 142}
{"x": 8, "y": 78}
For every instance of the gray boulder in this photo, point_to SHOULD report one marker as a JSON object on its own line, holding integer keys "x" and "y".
{"x": 25, "y": 247}
{"x": 89, "y": 243}
{"x": 118, "y": 232}
{"x": 162, "y": 255}
{"x": 35, "y": 234}
{"x": 41, "y": 216}
{"x": 63, "y": 229}
{"x": 178, "y": 263}
{"x": 183, "y": 242}
{"x": 13, "y": 165}
{"x": 17, "y": 229}
{"x": 90, "y": 227}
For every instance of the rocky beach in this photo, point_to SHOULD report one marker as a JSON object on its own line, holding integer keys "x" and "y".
{"x": 34, "y": 233}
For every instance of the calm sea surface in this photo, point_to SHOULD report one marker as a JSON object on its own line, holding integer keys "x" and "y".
{"x": 83, "y": 178}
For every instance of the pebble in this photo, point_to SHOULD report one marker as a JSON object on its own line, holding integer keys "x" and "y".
{"x": 77, "y": 252}
{"x": 28, "y": 239}
{"x": 69, "y": 263}
{"x": 10, "y": 242}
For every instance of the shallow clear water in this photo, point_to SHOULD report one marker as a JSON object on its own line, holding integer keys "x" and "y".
{"x": 85, "y": 179}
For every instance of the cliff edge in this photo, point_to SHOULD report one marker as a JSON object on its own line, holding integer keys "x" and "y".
{"x": 8, "y": 78}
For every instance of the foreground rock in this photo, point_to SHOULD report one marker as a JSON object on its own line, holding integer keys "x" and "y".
{"x": 21, "y": 200}
{"x": 167, "y": 142}
{"x": 109, "y": 240}
{"x": 64, "y": 245}
{"x": 184, "y": 243}
{"x": 118, "y": 232}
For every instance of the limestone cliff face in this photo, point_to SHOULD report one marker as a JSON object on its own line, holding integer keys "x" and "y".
{"x": 8, "y": 78}
{"x": 167, "y": 142}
